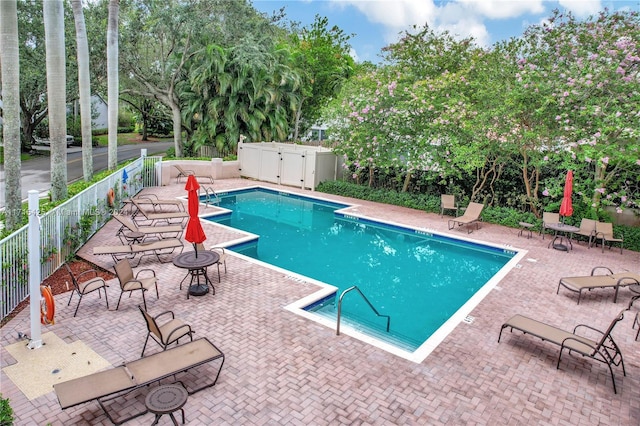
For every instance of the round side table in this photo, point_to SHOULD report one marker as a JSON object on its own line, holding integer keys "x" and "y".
{"x": 166, "y": 399}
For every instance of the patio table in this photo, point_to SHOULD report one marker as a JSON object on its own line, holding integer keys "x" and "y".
{"x": 197, "y": 266}
{"x": 561, "y": 231}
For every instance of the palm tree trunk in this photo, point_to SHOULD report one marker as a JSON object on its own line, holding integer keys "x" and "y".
{"x": 9, "y": 57}
{"x": 112, "y": 83}
{"x": 53, "y": 13}
{"x": 84, "y": 86}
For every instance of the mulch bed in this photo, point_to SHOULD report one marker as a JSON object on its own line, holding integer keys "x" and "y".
{"x": 60, "y": 282}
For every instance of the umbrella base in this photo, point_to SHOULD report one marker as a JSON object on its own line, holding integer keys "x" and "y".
{"x": 561, "y": 247}
{"x": 198, "y": 289}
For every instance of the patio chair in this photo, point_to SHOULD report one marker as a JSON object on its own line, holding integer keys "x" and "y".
{"x": 130, "y": 282}
{"x": 604, "y": 234}
{"x": 82, "y": 284}
{"x": 601, "y": 348}
{"x": 548, "y": 218}
{"x": 587, "y": 229}
{"x": 601, "y": 280}
{"x": 636, "y": 321}
{"x": 152, "y": 217}
{"x": 118, "y": 382}
{"x": 448, "y": 202}
{"x": 130, "y": 233}
{"x": 470, "y": 216}
{"x": 182, "y": 172}
{"x": 222, "y": 260}
{"x": 170, "y": 331}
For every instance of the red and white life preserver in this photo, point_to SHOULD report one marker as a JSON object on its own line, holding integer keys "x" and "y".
{"x": 111, "y": 196}
{"x": 47, "y": 306}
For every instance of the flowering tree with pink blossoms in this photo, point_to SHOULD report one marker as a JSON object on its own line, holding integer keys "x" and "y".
{"x": 592, "y": 92}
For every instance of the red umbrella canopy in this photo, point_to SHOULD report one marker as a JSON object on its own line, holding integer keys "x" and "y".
{"x": 566, "y": 208}
{"x": 195, "y": 233}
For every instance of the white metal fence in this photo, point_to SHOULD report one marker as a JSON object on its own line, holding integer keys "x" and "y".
{"x": 64, "y": 229}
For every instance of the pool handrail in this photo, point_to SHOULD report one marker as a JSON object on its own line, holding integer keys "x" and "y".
{"x": 355, "y": 287}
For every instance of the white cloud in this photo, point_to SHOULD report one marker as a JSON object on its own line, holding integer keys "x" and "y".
{"x": 503, "y": 9}
{"x": 462, "y": 18}
{"x": 582, "y": 8}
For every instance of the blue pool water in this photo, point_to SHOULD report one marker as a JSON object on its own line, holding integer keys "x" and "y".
{"x": 416, "y": 278}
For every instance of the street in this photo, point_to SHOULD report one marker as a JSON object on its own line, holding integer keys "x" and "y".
{"x": 35, "y": 173}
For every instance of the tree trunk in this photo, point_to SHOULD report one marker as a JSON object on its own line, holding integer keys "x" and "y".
{"x": 53, "y": 13}
{"x": 112, "y": 83}
{"x": 9, "y": 57}
{"x": 84, "y": 86}
{"x": 177, "y": 128}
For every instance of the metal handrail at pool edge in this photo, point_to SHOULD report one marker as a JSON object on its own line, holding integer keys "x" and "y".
{"x": 355, "y": 287}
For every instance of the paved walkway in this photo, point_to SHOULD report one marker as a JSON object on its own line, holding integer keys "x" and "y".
{"x": 284, "y": 369}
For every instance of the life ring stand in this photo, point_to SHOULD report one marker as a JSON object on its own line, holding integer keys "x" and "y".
{"x": 111, "y": 196}
{"x": 47, "y": 306}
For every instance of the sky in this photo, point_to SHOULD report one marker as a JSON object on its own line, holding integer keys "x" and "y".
{"x": 374, "y": 24}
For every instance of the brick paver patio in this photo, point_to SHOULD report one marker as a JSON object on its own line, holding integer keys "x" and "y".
{"x": 283, "y": 369}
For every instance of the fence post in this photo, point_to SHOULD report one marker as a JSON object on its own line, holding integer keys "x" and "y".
{"x": 33, "y": 242}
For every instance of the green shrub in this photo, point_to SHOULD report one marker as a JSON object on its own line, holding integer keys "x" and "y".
{"x": 6, "y": 412}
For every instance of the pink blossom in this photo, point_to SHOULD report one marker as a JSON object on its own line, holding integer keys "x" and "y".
{"x": 638, "y": 162}
{"x": 605, "y": 160}
{"x": 600, "y": 190}
{"x": 618, "y": 210}
{"x": 546, "y": 158}
{"x": 587, "y": 159}
{"x": 545, "y": 192}
{"x": 623, "y": 199}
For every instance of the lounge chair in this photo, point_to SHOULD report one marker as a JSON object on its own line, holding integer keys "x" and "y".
{"x": 157, "y": 248}
{"x": 602, "y": 349}
{"x": 170, "y": 331}
{"x": 182, "y": 172}
{"x": 448, "y": 202}
{"x": 158, "y": 204}
{"x": 130, "y": 233}
{"x": 119, "y": 381}
{"x": 587, "y": 230}
{"x": 130, "y": 282}
{"x": 470, "y": 216}
{"x": 597, "y": 279}
{"x": 153, "y": 216}
{"x": 604, "y": 234}
{"x": 548, "y": 218}
{"x": 83, "y": 284}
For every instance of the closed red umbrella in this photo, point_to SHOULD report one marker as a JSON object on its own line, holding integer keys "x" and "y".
{"x": 195, "y": 233}
{"x": 566, "y": 208}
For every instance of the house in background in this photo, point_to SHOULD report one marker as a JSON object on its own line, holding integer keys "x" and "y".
{"x": 99, "y": 112}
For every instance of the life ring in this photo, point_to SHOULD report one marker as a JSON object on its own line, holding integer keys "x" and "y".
{"x": 111, "y": 196}
{"x": 47, "y": 306}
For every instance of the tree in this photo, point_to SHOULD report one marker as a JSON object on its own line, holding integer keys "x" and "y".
{"x": 53, "y": 13}
{"x": 243, "y": 90}
{"x": 113, "y": 87}
{"x": 322, "y": 57}
{"x": 594, "y": 65}
{"x": 84, "y": 86}
{"x": 10, "y": 61}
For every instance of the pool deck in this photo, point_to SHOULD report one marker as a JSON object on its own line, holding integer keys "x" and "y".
{"x": 282, "y": 369}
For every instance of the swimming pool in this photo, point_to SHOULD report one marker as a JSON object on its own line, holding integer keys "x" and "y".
{"x": 419, "y": 278}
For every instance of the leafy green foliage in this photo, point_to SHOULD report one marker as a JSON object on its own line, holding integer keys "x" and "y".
{"x": 6, "y": 412}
